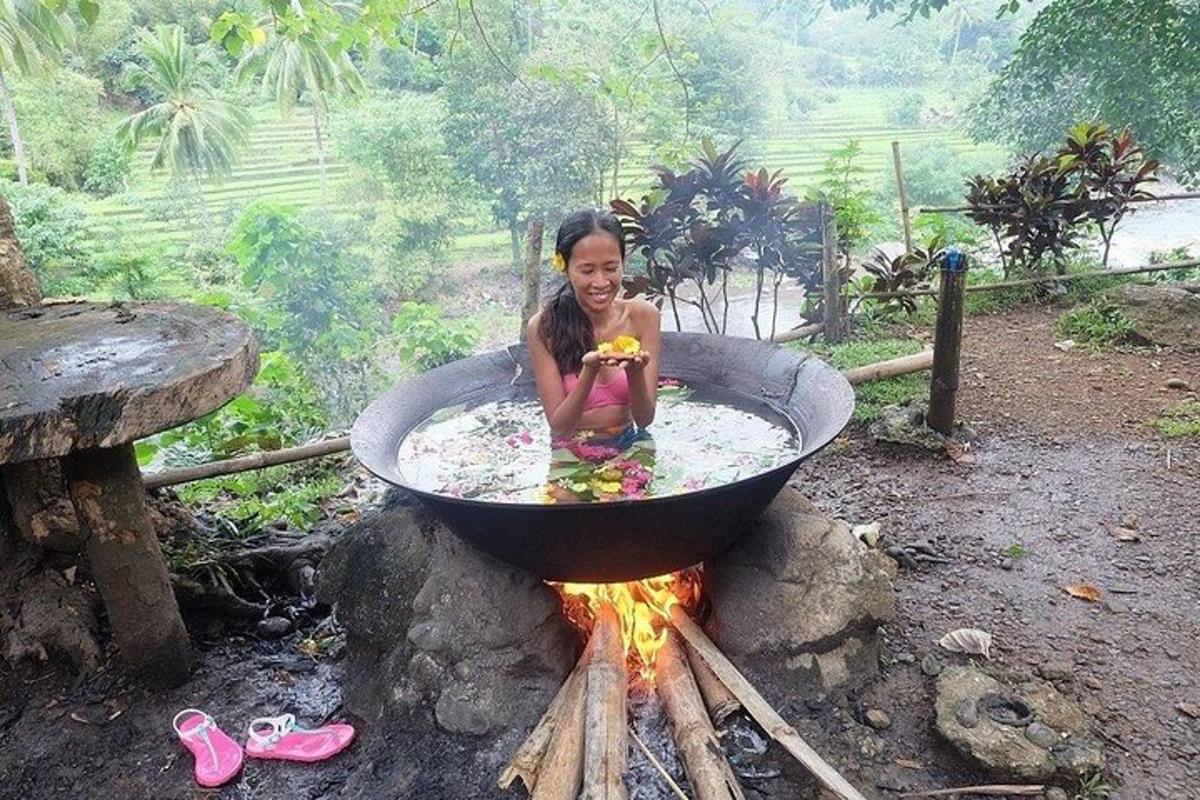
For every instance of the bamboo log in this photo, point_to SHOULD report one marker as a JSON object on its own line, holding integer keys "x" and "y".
{"x": 947, "y": 345}
{"x": 801, "y": 332}
{"x": 707, "y": 770}
{"x": 903, "y": 189}
{"x": 560, "y": 770}
{"x": 890, "y": 368}
{"x": 605, "y": 741}
{"x": 229, "y": 466}
{"x": 760, "y": 709}
{"x": 833, "y": 322}
{"x": 719, "y": 701}
{"x": 528, "y": 758}
{"x": 999, "y": 790}
{"x": 959, "y": 209}
{"x": 1074, "y": 276}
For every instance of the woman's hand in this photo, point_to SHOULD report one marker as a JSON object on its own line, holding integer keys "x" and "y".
{"x": 636, "y": 363}
{"x": 595, "y": 359}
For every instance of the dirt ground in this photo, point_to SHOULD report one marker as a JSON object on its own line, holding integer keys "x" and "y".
{"x": 1063, "y": 457}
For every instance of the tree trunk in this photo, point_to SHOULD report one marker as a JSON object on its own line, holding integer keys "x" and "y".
{"x": 320, "y": 148}
{"x": 532, "y": 280}
{"x": 122, "y": 549}
{"x": 18, "y": 285}
{"x": 14, "y": 130}
{"x": 514, "y": 240}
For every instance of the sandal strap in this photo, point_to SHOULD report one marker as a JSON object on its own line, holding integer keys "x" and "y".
{"x": 280, "y": 726}
{"x": 199, "y": 730}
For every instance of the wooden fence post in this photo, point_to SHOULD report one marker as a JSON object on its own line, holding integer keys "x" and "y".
{"x": 903, "y": 189}
{"x": 532, "y": 279}
{"x": 947, "y": 343}
{"x": 834, "y": 317}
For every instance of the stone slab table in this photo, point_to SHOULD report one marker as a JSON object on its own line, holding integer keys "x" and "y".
{"x": 80, "y": 382}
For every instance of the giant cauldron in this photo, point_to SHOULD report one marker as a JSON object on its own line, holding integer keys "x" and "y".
{"x": 624, "y": 540}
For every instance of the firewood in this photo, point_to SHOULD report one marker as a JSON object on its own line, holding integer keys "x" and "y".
{"x": 719, "y": 701}
{"x": 559, "y": 773}
{"x": 707, "y": 770}
{"x": 605, "y": 739}
{"x": 528, "y": 759}
{"x": 760, "y": 709}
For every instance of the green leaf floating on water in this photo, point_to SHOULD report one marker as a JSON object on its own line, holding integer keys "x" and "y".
{"x": 563, "y": 454}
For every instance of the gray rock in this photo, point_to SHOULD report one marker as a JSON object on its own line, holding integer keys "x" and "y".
{"x": 1042, "y": 735}
{"x": 966, "y": 713}
{"x": 1008, "y": 751}
{"x": 801, "y": 586}
{"x": 273, "y": 627}
{"x": 931, "y": 665}
{"x": 1055, "y": 793}
{"x": 877, "y": 719}
{"x": 1164, "y": 315}
{"x": 905, "y": 658}
{"x": 430, "y": 619}
{"x": 1179, "y": 383}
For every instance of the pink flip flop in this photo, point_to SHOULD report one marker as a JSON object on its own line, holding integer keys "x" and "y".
{"x": 218, "y": 758}
{"x": 278, "y": 737}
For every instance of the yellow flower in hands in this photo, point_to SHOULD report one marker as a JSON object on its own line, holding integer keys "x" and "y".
{"x": 627, "y": 344}
{"x": 604, "y": 347}
{"x": 558, "y": 262}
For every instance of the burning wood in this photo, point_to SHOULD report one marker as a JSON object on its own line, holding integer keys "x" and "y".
{"x": 707, "y": 770}
{"x": 719, "y": 701}
{"x": 605, "y": 743}
{"x": 760, "y": 709}
{"x": 559, "y": 774}
{"x": 528, "y": 759}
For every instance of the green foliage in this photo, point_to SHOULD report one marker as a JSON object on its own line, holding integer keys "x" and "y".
{"x": 107, "y": 169}
{"x": 53, "y": 232}
{"x": 905, "y": 272}
{"x": 874, "y": 395}
{"x": 1094, "y": 787}
{"x": 317, "y": 302}
{"x": 936, "y": 172}
{"x": 906, "y": 108}
{"x": 395, "y": 140}
{"x": 1015, "y": 551}
{"x": 1098, "y": 323}
{"x": 60, "y": 121}
{"x": 995, "y": 301}
{"x": 280, "y": 409}
{"x": 133, "y": 272}
{"x": 844, "y": 186}
{"x": 1182, "y": 419}
{"x": 408, "y": 245}
{"x": 1137, "y": 62}
{"x": 197, "y": 131}
{"x": 251, "y": 500}
{"x": 424, "y": 339}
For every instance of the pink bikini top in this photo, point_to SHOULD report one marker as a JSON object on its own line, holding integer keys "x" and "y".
{"x": 613, "y": 393}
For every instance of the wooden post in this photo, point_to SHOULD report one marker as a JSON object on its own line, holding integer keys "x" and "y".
{"x": 605, "y": 744}
{"x": 947, "y": 343}
{"x": 833, "y": 318}
{"x": 122, "y": 548}
{"x": 903, "y": 189}
{"x": 532, "y": 277}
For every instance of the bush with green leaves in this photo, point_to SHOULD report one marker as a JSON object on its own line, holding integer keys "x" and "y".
{"x": 845, "y": 187}
{"x": 53, "y": 231}
{"x": 905, "y": 109}
{"x": 107, "y": 169}
{"x": 61, "y": 120}
{"x": 424, "y": 339}
{"x": 1098, "y": 323}
{"x": 133, "y": 272}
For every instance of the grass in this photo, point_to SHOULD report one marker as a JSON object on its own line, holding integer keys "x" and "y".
{"x": 874, "y": 395}
{"x": 1179, "y": 421}
{"x": 1015, "y": 551}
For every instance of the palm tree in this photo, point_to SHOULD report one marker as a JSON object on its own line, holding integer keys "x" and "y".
{"x": 31, "y": 35}
{"x": 297, "y": 61}
{"x": 198, "y": 132}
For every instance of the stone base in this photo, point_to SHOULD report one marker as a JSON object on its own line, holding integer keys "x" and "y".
{"x": 800, "y": 586}
{"x": 430, "y": 619}
{"x": 906, "y": 425}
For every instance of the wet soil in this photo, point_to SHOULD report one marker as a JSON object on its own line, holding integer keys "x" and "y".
{"x": 1064, "y": 458}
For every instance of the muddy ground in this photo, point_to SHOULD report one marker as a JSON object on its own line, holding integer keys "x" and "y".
{"x": 1063, "y": 457}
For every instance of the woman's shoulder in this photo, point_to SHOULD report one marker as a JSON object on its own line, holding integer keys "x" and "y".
{"x": 641, "y": 309}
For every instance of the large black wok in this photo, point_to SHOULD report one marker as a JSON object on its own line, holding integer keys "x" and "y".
{"x": 624, "y": 540}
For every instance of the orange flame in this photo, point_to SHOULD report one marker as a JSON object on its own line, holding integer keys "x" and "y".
{"x": 644, "y": 608}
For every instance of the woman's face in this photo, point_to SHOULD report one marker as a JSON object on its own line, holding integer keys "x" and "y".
{"x": 595, "y": 271}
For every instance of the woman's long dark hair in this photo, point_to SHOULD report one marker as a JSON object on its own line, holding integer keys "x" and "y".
{"x": 564, "y": 327}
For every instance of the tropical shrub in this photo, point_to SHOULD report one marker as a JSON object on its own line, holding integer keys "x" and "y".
{"x": 424, "y": 339}
{"x": 107, "y": 168}
{"x": 905, "y": 109}
{"x": 61, "y": 121}
{"x": 1097, "y": 323}
{"x": 52, "y": 229}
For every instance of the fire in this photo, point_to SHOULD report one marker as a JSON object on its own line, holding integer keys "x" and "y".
{"x": 644, "y": 608}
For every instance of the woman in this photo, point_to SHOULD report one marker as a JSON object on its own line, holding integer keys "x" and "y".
{"x": 597, "y": 403}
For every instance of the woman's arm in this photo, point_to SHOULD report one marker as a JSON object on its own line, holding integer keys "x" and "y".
{"x": 562, "y": 410}
{"x": 643, "y": 370}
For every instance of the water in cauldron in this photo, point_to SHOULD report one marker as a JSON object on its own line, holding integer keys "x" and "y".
{"x": 501, "y": 451}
